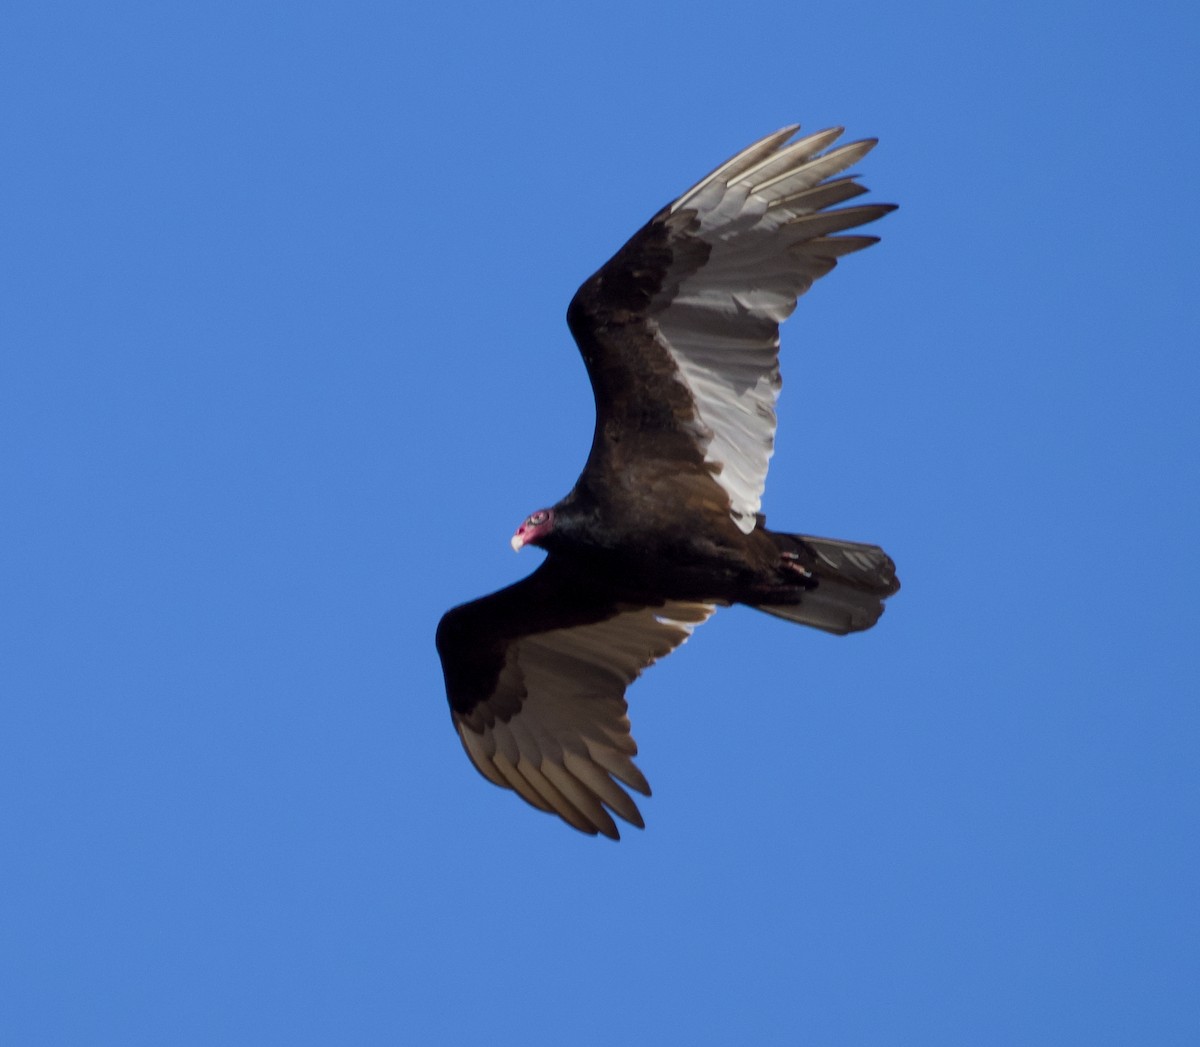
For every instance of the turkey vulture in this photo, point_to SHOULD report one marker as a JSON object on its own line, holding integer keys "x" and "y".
{"x": 680, "y": 336}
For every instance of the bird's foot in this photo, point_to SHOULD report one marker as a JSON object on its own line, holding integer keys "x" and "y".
{"x": 790, "y": 562}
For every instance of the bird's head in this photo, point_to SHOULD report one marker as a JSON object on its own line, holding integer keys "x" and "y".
{"x": 534, "y": 530}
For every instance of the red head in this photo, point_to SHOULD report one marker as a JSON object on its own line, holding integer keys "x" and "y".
{"x": 534, "y": 529}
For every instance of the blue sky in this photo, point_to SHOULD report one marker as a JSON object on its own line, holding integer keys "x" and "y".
{"x": 284, "y": 365}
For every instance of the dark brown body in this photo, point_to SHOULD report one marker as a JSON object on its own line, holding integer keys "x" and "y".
{"x": 646, "y": 557}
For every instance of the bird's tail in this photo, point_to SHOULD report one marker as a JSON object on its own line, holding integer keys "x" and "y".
{"x": 847, "y": 583}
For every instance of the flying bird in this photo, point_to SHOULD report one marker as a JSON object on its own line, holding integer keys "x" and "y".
{"x": 679, "y": 332}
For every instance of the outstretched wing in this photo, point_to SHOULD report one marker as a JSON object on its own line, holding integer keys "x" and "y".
{"x": 680, "y": 330}
{"x": 536, "y": 677}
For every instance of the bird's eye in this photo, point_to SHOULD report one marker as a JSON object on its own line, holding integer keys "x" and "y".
{"x": 537, "y": 518}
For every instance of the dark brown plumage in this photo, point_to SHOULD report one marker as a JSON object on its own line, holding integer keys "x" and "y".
{"x": 679, "y": 332}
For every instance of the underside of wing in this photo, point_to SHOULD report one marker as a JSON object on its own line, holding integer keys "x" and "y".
{"x": 540, "y": 708}
{"x": 687, "y": 313}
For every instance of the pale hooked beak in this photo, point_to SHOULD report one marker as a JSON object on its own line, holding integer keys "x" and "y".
{"x": 518, "y": 540}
